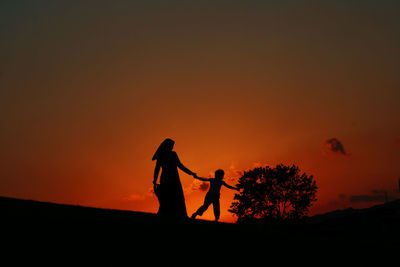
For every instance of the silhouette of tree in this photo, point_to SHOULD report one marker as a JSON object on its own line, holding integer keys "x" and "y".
{"x": 278, "y": 193}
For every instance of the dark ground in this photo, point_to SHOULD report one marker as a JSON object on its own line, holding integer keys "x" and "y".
{"x": 24, "y": 222}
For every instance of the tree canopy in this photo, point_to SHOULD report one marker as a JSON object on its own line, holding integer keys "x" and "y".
{"x": 282, "y": 192}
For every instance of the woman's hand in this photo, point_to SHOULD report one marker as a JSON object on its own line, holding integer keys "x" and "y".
{"x": 155, "y": 186}
{"x": 156, "y": 190}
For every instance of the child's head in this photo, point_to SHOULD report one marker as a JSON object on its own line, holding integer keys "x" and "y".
{"x": 219, "y": 174}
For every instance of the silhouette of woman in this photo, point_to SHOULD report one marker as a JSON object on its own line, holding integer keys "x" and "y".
{"x": 169, "y": 191}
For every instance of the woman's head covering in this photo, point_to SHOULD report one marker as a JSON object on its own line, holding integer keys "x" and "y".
{"x": 166, "y": 146}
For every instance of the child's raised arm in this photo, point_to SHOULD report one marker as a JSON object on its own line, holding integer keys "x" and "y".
{"x": 201, "y": 179}
{"x": 231, "y": 187}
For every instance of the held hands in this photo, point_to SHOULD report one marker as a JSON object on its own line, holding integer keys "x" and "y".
{"x": 155, "y": 186}
{"x": 194, "y": 175}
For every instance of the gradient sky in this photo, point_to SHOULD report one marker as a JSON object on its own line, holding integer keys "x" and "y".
{"x": 88, "y": 90}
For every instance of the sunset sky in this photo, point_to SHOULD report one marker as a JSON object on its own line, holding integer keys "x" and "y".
{"x": 89, "y": 89}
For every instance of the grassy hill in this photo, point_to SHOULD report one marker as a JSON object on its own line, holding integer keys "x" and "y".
{"x": 377, "y": 227}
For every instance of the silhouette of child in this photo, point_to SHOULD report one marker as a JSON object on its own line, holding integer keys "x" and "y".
{"x": 212, "y": 196}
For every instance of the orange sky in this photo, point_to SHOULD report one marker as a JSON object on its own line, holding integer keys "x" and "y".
{"x": 88, "y": 90}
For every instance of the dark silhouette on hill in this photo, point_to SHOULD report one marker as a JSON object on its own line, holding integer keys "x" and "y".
{"x": 276, "y": 193}
{"x": 213, "y": 194}
{"x": 169, "y": 192}
{"x": 375, "y": 227}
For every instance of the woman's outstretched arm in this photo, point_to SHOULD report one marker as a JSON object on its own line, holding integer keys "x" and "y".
{"x": 182, "y": 167}
{"x": 156, "y": 172}
{"x": 202, "y": 179}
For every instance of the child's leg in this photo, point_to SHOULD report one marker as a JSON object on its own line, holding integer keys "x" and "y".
{"x": 216, "y": 209}
{"x": 202, "y": 209}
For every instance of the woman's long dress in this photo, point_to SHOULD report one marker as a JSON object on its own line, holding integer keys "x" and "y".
{"x": 172, "y": 200}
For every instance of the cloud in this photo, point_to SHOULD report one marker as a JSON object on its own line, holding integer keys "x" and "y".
{"x": 371, "y": 198}
{"x": 139, "y": 197}
{"x": 367, "y": 198}
{"x": 333, "y": 145}
{"x": 204, "y": 186}
{"x": 374, "y": 196}
{"x": 233, "y": 173}
{"x": 195, "y": 186}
